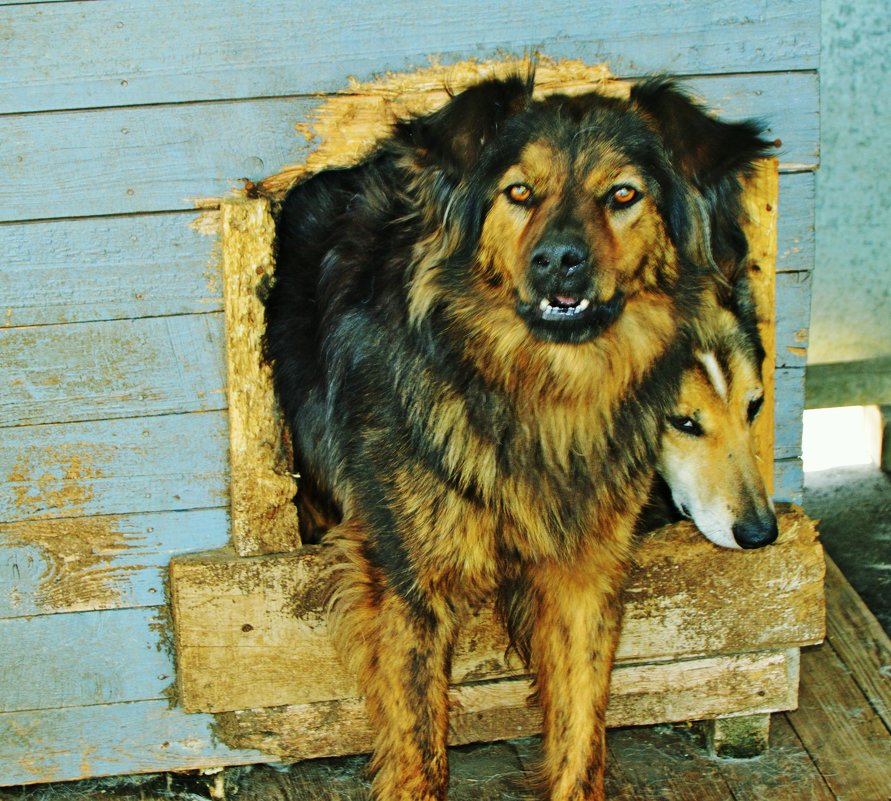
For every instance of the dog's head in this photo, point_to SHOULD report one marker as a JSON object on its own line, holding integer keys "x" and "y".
{"x": 569, "y": 208}
{"x": 707, "y": 455}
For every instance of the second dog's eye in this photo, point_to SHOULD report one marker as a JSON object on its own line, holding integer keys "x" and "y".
{"x": 519, "y": 193}
{"x": 686, "y": 425}
{"x": 754, "y": 407}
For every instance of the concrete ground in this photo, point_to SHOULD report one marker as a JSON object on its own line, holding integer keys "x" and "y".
{"x": 853, "y": 505}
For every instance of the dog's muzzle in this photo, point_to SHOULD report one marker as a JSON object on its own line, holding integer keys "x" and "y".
{"x": 564, "y": 305}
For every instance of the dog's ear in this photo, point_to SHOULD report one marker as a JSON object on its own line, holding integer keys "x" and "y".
{"x": 710, "y": 156}
{"x": 705, "y": 150}
{"x": 454, "y": 136}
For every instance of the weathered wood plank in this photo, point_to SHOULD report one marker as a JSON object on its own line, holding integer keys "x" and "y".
{"x": 859, "y": 640}
{"x": 640, "y": 768}
{"x": 793, "y": 318}
{"x": 73, "y": 743}
{"x": 107, "y": 268}
{"x": 155, "y": 158}
{"x": 158, "y": 158}
{"x": 229, "y": 50}
{"x": 261, "y": 488}
{"x": 639, "y": 694}
{"x": 93, "y": 563}
{"x": 109, "y": 370}
{"x": 82, "y": 659}
{"x": 262, "y": 616}
{"x": 835, "y": 722}
{"x": 789, "y": 403}
{"x": 788, "y": 480}
{"x": 760, "y": 202}
{"x": 148, "y": 464}
{"x": 795, "y": 235}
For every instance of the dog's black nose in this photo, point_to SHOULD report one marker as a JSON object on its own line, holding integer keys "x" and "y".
{"x": 755, "y": 531}
{"x": 558, "y": 259}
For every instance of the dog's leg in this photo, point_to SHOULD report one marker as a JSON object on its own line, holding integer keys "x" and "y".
{"x": 575, "y": 628}
{"x": 401, "y": 653}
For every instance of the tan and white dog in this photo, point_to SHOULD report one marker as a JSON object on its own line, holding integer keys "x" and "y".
{"x": 708, "y": 456}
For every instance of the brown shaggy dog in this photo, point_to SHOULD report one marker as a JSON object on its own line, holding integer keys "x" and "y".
{"x": 477, "y": 334}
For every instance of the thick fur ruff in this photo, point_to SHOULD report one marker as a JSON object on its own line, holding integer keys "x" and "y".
{"x": 477, "y": 333}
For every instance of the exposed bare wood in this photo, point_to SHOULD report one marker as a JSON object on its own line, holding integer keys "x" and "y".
{"x": 262, "y": 617}
{"x": 501, "y": 710}
{"x": 264, "y": 520}
{"x": 347, "y": 126}
{"x": 761, "y": 199}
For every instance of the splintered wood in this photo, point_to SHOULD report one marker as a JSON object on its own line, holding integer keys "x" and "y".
{"x": 264, "y": 519}
{"x": 760, "y": 200}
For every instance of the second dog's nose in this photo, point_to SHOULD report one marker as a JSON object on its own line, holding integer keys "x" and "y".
{"x": 755, "y": 532}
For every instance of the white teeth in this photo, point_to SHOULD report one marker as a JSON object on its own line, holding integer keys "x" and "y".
{"x": 583, "y": 304}
{"x": 544, "y": 305}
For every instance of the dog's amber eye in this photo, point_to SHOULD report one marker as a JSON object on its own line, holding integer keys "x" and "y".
{"x": 686, "y": 425}
{"x": 519, "y": 193}
{"x": 754, "y": 407}
{"x": 624, "y": 195}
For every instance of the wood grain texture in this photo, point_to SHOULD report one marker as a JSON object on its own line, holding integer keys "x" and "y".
{"x": 262, "y": 616}
{"x": 760, "y": 200}
{"x": 639, "y": 694}
{"x": 229, "y": 49}
{"x": 788, "y": 480}
{"x": 789, "y": 383}
{"x": 159, "y": 158}
{"x": 795, "y": 234}
{"x": 82, "y": 659}
{"x": 859, "y": 640}
{"x": 835, "y": 722}
{"x": 261, "y": 488}
{"x": 113, "y": 467}
{"x": 110, "y": 739}
{"x": 111, "y": 370}
{"x": 80, "y": 270}
{"x": 94, "y": 563}
{"x": 793, "y": 316}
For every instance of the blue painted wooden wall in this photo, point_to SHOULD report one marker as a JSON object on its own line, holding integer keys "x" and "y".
{"x": 114, "y": 116}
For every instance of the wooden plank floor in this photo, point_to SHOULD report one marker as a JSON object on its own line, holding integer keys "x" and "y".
{"x": 835, "y": 747}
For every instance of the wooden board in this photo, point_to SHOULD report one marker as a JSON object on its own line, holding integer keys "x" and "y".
{"x": 792, "y": 326}
{"x": 102, "y": 562}
{"x": 788, "y": 480}
{"x": 501, "y": 710}
{"x": 845, "y": 738}
{"x": 80, "y": 270}
{"x": 860, "y": 642}
{"x": 81, "y": 659}
{"x": 261, "y": 487}
{"x": 261, "y": 617}
{"x": 160, "y": 158}
{"x": 230, "y": 50}
{"x": 112, "y": 467}
{"x": 795, "y": 228}
{"x": 110, "y": 739}
{"x": 109, "y": 370}
{"x": 760, "y": 200}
